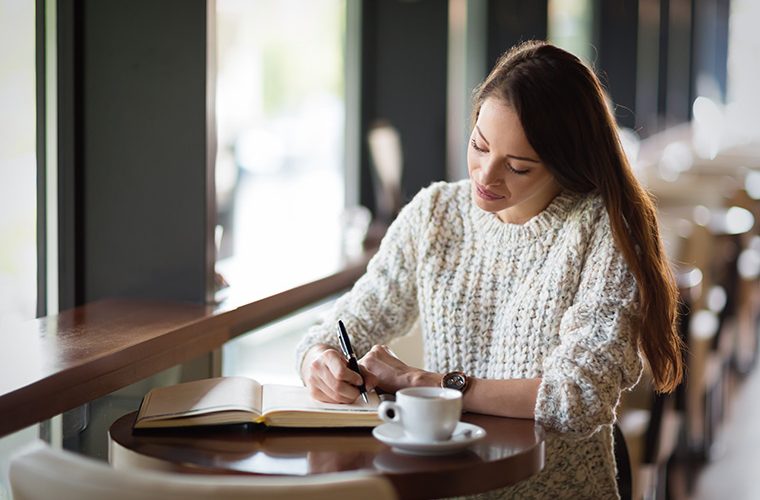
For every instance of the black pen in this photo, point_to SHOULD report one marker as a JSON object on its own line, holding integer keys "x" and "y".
{"x": 348, "y": 352}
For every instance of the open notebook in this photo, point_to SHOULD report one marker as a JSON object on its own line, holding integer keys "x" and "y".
{"x": 235, "y": 400}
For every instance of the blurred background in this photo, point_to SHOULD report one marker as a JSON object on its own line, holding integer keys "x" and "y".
{"x": 223, "y": 151}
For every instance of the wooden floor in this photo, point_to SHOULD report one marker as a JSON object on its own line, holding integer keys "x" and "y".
{"x": 735, "y": 471}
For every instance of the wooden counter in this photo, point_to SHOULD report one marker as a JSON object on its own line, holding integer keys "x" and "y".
{"x": 53, "y": 364}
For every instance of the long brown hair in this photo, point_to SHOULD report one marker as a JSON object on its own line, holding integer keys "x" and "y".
{"x": 561, "y": 105}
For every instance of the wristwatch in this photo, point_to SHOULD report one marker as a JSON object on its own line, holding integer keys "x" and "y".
{"x": 455, "y": 380}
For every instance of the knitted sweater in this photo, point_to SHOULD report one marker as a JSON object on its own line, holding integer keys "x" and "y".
{"x": 550, "y": 298}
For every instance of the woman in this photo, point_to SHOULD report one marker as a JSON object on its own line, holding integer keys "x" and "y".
{"x": 541, "y": 278}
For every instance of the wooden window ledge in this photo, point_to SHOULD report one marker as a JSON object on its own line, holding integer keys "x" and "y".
{"x": 56, "y": 363}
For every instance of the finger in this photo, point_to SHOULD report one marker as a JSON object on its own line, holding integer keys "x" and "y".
{"x": 315, "y": 368}
{"x": 323, "y": 391}
{"x": 375, "y": 363}
{"x": 378, "y": 353}
{"x": 339, "y": 391}
{"x": 390, "y": 351}
{"x": 372, "y": 369}
{"x": 370, "y": 380}
{"x": 318, "y": 374}
{"x": 383, "y": 355}
{"x": 342, "y": 372}
{"x": 318, "y": 395}
{"x": 318, "y": 390}
{"x": 383, "y": 351}
{"x": 321, "y": 375}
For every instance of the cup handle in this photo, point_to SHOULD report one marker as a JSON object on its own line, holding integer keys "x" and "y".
{"x": 388, "y": 411}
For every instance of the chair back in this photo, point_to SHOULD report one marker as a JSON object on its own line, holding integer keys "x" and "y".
{"x": 40, "y": 473}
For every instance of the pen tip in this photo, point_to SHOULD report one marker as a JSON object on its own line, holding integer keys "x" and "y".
{"x": 365, "y": 398}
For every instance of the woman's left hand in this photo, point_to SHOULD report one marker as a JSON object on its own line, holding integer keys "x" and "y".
{"x": 381, "y": 368}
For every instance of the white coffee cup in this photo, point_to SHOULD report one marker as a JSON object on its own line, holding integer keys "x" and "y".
{"x": 425, "y": 413}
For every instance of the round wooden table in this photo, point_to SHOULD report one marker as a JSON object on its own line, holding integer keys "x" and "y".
{"x": 512, "y": 451}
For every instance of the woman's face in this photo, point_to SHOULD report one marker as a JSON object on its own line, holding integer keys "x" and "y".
{"x": 508, "y": 178}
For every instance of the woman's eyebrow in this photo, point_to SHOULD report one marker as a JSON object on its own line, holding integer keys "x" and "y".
{"x": 482, "y": 136}
{"x": 514, "y": 157}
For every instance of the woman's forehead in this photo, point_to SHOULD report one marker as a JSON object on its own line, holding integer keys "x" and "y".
{"x": 500, "y": 126}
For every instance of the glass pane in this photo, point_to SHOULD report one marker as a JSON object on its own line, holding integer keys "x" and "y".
{"x": 569, "y": 26}
{"x": 743, "y": 70}
{"x": 18, "y": 188}
{"x": 18, "y": 169}
{"x": 280, "y": 118}
{"x": 267, "y": 354}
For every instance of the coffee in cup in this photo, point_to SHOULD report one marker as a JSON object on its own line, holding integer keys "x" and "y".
{"x": 425, "y": 413}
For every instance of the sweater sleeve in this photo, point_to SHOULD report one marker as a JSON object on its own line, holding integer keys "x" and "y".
{"x": 597, "y": 356}
{"x": 382, "y": 304}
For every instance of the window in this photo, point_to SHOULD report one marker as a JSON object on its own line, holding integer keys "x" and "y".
{"x": 569, "y": 26}
{"x": 18, "y": 168}
{"x": 281, "y": 187}
{"x": 18, "y": 186}
{"x": 743, "y": 72}
{"x": 280, "y": 118}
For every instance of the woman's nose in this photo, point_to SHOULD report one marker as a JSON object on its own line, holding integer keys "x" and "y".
{"x": 491, "y": 174}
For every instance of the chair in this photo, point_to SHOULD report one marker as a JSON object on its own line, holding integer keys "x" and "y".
{"x": 40, "y": 472}
{"x": 387, "y": 160}
{"x": 651, "y": 426}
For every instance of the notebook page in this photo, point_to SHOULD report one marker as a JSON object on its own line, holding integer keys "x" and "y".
{"x": 297, "y": 398}
{"x": 203, "y": 396}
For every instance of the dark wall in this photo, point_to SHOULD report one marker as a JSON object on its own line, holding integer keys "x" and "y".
{"x": 404, "y": 61}
{"x": 513, "y": 21}
{"x": 135, "y": 200}
{"x": 616, "y": 44}
{"x": 139, "y": 200}
{"x": 653, "y": 54}
{"x": 679, "y": 85}
{"x": 648, "y": 69}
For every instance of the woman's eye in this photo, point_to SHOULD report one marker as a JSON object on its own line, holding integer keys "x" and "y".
{"x": 518, "y": 172}
{"x": 476, "y": 147}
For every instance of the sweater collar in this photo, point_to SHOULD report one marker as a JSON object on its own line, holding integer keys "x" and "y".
{"x": 552, "y": 217}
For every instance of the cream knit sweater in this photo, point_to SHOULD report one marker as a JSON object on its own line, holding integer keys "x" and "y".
{"x": 551, "y": 298}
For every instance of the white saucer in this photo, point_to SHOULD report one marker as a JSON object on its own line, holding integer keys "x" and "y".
{"x": 393, "y": 435}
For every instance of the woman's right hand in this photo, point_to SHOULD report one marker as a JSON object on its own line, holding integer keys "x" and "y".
{"x": 328, "y": 377}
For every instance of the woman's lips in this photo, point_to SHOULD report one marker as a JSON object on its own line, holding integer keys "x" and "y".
{"x": 486, "y": 194}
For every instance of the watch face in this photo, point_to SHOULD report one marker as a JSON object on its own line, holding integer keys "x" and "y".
{"x": 455, "y": 381}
